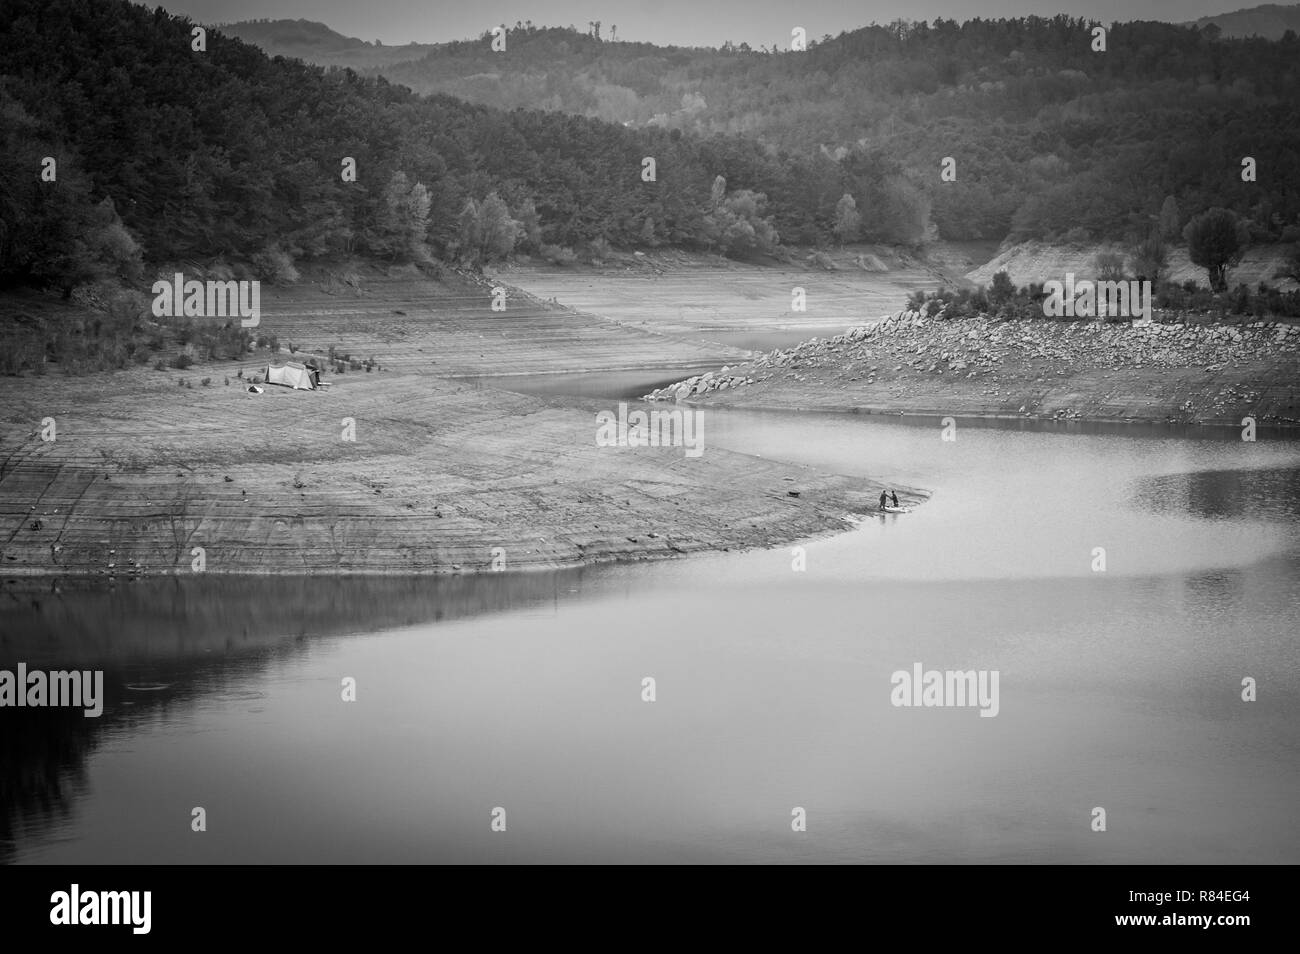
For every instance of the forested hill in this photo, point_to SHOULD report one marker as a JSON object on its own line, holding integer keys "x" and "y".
{"x": 165, "y": 153}
{"x": 317, "y": 43}
{"x": 228, "y": 153}
{"x": 1050, "y": 136}
{"x": 1269, "y": 20}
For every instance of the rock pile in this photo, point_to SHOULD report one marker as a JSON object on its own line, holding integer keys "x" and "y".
{"x": 909, "y": 343}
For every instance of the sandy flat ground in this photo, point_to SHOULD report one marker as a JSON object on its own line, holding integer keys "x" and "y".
{"x": 441, "y": 476}
{"x": 448, "y": 476}
{"x": 693, "y": 295}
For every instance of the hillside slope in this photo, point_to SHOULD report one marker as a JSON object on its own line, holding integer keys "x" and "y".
{"x": 316, "y": 43}
{"x": 438, "y": 474}
{"x": 1049, "y": 137}
{"x": 1037, "y": 262}
{"x": 1269, "y": 20}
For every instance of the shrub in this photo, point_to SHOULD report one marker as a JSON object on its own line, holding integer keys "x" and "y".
{"x": 822, "y": 261}
{"x": 1109, "y": 266}
{"x": 274, "y": 265}
{"x": 1240, "y": 302}
{"x": 558, "y": 255}
{"x": 1002, "y": 290}
{"x": 1150, "y": 258}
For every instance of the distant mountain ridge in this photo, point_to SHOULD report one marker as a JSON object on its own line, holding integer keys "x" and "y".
{"x": 975, "y": 131}
{"x": 1269, "y": 21}
{"x": 315, "y": 42}
{"x": 1050, "y": 137}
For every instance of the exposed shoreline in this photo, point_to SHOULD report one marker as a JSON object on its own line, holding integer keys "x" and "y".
{"x": 442, "y": 477}
{"x": 447, "y": 476}
{"x": 896, "y": 413}
{"x": 908, "y": 365}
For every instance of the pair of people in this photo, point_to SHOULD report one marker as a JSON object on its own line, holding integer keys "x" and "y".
{"x": 892, "y": 495}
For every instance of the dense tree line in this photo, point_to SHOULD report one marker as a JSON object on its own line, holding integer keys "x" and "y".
{"x": 165, "y": 154}
{"x": 1052, "y": 138}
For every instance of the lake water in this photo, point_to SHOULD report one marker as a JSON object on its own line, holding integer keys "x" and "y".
{"x": 1119, "y": 689}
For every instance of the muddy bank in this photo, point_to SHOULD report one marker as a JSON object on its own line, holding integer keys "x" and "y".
{"x": 396, "y": 471}
{"x": 408, "y": 322}
{"x": 1178, "y": 373}
{"x": 684, "y": 295}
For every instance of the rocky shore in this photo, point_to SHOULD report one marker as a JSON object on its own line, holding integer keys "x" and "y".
{"x": 1169, "y": 371}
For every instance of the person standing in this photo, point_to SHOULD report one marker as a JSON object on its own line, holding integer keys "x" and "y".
{"x": 893, "y": 496}
{"x": 882, "y": 500}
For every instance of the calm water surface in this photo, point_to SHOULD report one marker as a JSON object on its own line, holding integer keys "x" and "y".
{"x": 1118, "y": 689}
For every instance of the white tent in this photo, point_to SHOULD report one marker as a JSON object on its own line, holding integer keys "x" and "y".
{"x": 290, "y": 375}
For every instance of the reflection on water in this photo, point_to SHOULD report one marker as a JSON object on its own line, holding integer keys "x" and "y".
{"x": 1268, "y": 492}
{"x": 1119, "y": 689}
{"x": 173, "y": 642}
{"x": 187, "y": 616}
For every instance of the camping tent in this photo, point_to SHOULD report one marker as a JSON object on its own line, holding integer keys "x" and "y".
{"x": 291, "y": 375}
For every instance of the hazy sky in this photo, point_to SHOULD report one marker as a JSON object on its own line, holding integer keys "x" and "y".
{"x": 684, "y": 22}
